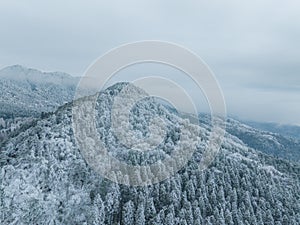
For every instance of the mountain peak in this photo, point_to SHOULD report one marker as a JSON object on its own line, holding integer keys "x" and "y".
{"x": 24, "y": 74}
{"x": 19, "y": 71}
{"x": 27, "y": 92}
{"x": 18, "y": 68}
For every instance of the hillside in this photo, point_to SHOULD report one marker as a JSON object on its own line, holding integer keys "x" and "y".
{"x": 270, "y": 143}
{"x": 45, "y": 180}
{"x": 29, "y": 92}
{"x": 283, "y": 129}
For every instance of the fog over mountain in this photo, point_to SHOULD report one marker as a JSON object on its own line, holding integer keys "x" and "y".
{"x": 251, "y": 46}
{"x": 150, "y": 112}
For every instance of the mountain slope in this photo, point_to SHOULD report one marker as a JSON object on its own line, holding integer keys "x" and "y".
{"x": 274, "y": 144}
{"x": 285, "y": 130}
{"x": 267, "y": 142}
{"x": 28, "y": 92}
{"x": 45, "y": 180}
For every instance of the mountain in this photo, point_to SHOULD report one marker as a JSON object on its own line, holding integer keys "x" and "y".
{"x": 290, "y": 131}
{"x": 275, "y": 144}
{"x": 34, "y": 92}
{"x": 29, "y": 92}
{"x": 45, "y": 179}
{"x": 271, "y": 143}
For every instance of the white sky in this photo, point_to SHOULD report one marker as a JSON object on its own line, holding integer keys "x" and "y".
{"x": 252, "y": 46}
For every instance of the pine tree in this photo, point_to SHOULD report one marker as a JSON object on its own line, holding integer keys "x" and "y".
{"x": 269, "y": 218}
{"x": 140, "y": 215}
{"x": 150, "y": 209}
{"x": 170, "y": 220}
{"x": 98, "y": 211}
{"x": 228, "y": 217}
{"x": 128, "y": 213}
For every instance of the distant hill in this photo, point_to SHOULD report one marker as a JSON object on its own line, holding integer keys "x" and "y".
{"x": 271, "y": 143}
{"x": 275, "y": 144}
{"x": 28, "y": 92}
{"x": 283, "y": 129}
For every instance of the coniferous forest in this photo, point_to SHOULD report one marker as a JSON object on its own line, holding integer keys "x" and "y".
{"x": 45, "y": 179}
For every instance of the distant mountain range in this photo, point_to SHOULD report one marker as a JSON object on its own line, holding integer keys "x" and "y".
{"x": 275, "y": 144}
{"x": 283, "y": 129}
{"x": 272, "y": 143}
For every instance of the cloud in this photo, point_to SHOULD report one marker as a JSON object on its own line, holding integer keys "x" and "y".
{"x": 252, "y": 46}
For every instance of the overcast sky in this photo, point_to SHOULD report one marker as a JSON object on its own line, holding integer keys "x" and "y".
{"x": 253, "y": 47}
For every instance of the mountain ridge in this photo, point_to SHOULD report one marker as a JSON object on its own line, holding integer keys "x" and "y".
{"x": 28, "y": 92}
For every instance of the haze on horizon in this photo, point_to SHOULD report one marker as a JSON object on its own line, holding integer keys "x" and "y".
{"x": 252, "y": 47}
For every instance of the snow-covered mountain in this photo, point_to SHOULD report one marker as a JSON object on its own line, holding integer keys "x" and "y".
{"x": 275, "y": 144}
{"x": 283, "y": 129}
{"x": 29, "y": 92}
{"x": 271, "y": 143}
{"x": 45, "y": 180}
